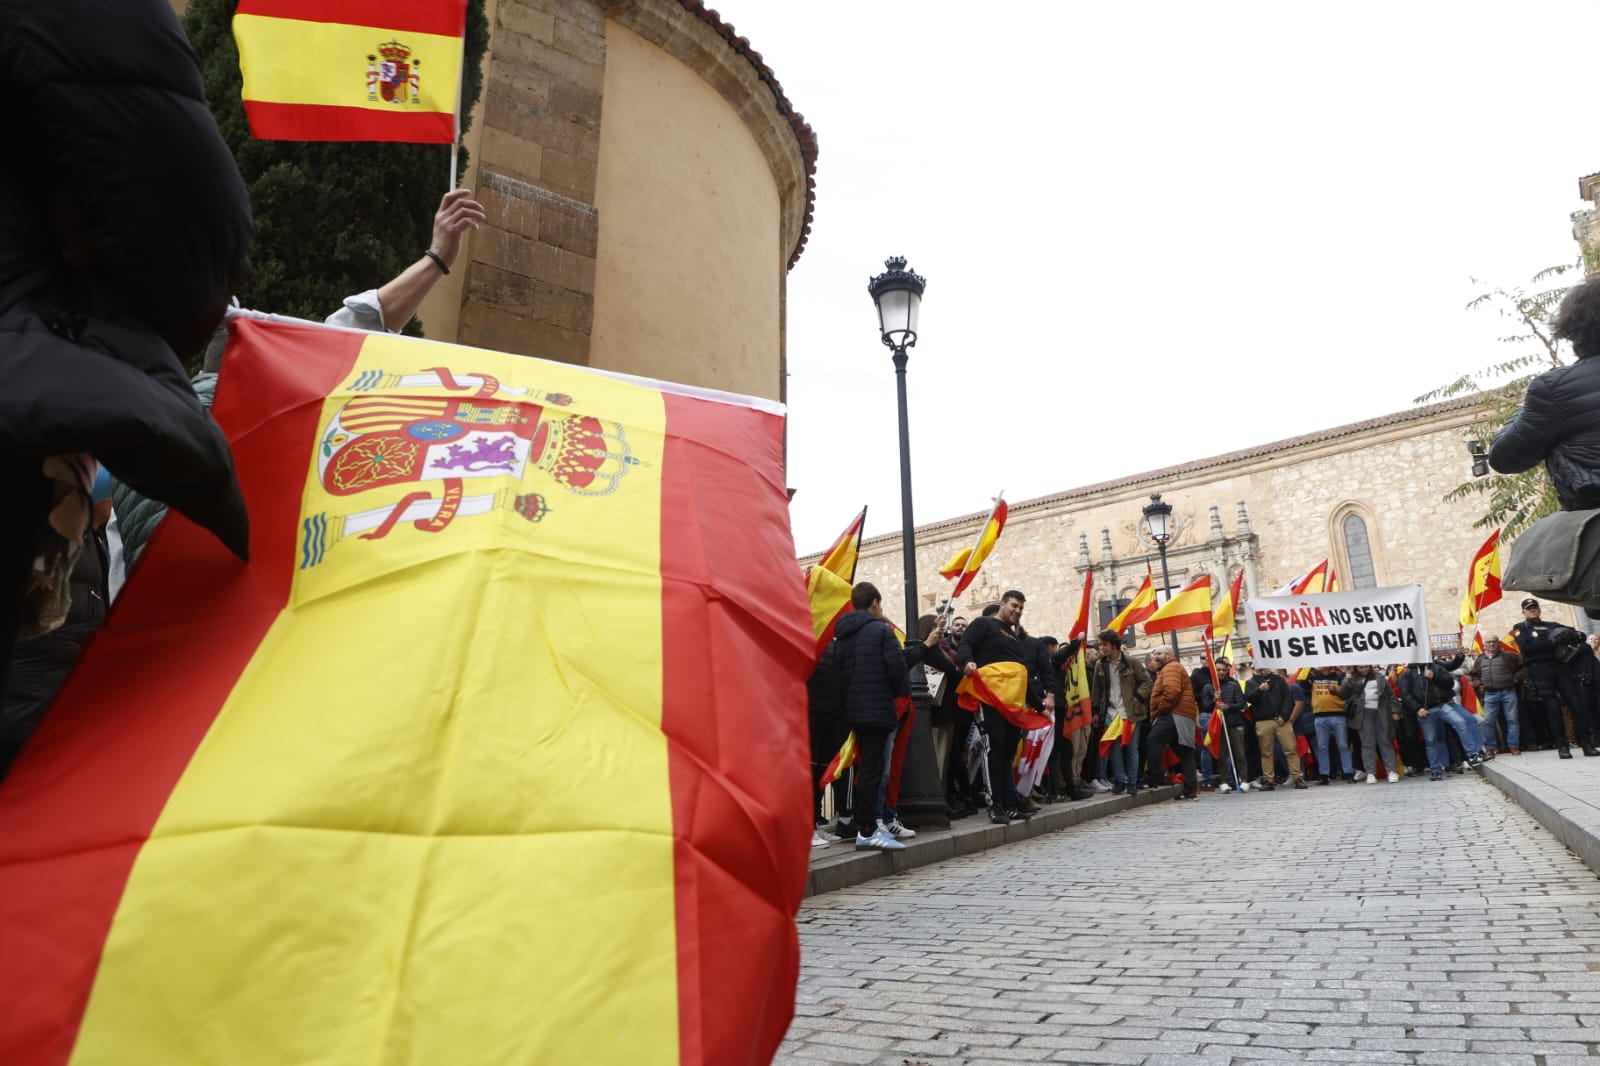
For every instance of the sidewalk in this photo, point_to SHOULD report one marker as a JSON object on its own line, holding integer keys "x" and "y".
{"x": 1563, "y": 795}
{"x": 841, "y": 865}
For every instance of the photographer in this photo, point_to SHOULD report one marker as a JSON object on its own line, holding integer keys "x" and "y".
{"x": 1559, "y": 421}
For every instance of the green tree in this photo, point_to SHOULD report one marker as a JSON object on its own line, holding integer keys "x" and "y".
{"x": 1512, "y": 501}
{"x": 331, "y": 218}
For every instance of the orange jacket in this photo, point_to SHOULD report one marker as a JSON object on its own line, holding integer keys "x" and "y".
{"x": 1172, "y": 693}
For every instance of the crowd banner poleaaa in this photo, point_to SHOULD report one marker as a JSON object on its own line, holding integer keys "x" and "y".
{"x": 491, "y": 754}
{"x": 1377, "y": 626}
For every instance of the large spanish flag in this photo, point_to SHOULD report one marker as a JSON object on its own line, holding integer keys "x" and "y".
{"x": 351, "y": 70}
{"x": 487, "y": 756}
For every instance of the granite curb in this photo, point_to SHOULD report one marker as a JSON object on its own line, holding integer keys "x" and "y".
{"x": 1571, "y": 821}
{"x": 840, "y": 865}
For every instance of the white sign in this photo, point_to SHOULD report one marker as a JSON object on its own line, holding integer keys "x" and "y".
{"x": 1370, "y": 626}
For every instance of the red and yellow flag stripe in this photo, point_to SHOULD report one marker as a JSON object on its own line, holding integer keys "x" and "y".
{"x": 351, "y": 70}
{"x": 402, "y": 798}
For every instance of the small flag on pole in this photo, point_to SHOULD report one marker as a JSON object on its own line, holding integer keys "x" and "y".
{"x": 1189, "y": 607}
{"x": 1142, "y": 606}
{"x": 962, "y": 567}
{"x": 355, "y": 70}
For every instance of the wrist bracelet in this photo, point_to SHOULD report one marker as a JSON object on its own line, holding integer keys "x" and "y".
{"x": 438, "y": 261}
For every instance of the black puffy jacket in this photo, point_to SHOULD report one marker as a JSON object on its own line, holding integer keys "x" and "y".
{"x": 871, "y": 669}
{"x": 1558, "y": 423}
{"x": 124, "y": 230}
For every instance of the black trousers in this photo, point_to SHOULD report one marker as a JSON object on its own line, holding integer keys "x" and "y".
{"x": 1412, "y": 750}
{"x": 1557, "y": 687}
{"x": 1003, "y": 740}
{"x": 871, "y": 742}
{"x": 1163, "y": 735}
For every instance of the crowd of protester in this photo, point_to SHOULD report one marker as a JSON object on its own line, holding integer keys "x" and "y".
{"x": 1361, "y": 723}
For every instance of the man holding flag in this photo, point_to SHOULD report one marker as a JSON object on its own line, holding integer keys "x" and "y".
{"x": 987, "y": 641}
{"x": 1119, "y": 690}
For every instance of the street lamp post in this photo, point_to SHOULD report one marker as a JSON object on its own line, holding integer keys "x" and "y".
{"x": 898, "y": 295}
{"x": 1158, "y": 522}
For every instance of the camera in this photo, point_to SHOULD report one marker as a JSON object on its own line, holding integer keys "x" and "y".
{"x": 1480, "y": 458}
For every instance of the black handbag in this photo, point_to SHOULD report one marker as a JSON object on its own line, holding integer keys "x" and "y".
{"x": 1558, "y": 557}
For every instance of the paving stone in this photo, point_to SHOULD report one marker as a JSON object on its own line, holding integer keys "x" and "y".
{"x": 1416, "y": 926}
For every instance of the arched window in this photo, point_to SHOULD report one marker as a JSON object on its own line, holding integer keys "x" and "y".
{"x": 1358, "y": 549}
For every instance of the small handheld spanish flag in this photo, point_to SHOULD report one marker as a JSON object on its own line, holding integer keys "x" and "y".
{"x": 356, "y": 70}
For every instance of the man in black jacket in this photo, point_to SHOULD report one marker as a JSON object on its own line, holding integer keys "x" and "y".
{"x": 1277, "y": 705}
{"x": 1440, "y": 709}
{"x": 1554, "y": 682}
{"x": 1230, "y": 703}
{"x": 993, "y": 639}
{"x": 1559, "y": 421}
{"x": 872, "y": 672}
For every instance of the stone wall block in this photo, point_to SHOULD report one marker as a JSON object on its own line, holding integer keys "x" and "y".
{"x": 568, "y": 231}
{"x": 531, "y": 19}
{"x": 502, "y": 152}
{"x": 523, "y": 52}
{"x": 581, "y": 39}
{"x": 567, "y": 174}
{"x": 507, "y": 331}
{"x": 535, "y": 259}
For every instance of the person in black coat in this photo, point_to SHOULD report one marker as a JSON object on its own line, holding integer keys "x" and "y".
{"x": 989, "y": 640}
{"x": 1559, "y": 420}
{"x": 124, "y": 231}
{"x": 872, "y": 673}
{"x": 1535, "y": 637}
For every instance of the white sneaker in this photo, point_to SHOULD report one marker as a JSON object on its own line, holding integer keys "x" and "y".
{"x": 898, "y": 831}
{"x": 1101, "y": 785}
{"x": 1372, "y": 779}
{"x": 1394, "y": 779}
{"x": 1224, "y": 787}
{"x": 818, "y": 840}
{"x": 879, "y": 841}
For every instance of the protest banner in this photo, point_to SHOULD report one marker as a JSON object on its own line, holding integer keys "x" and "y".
{"x": 1378, "y": 626}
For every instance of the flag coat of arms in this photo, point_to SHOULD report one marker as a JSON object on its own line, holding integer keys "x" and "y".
{"x": 484, "y": 757}
{"x": 351, "y": 70}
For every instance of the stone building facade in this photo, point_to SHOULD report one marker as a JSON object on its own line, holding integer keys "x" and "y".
{"x": 1368, "y": 496}
{"x": 648, "y": 186}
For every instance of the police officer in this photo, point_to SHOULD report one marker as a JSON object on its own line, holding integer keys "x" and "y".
{"x": 1555, "y": 683}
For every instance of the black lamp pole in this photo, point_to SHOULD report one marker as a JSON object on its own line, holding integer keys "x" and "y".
{"x": 898, "y": 295}
{"x": 1158, "y": 520}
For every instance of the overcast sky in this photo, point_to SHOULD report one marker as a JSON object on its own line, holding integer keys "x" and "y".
{"x": 1155, "y": 232}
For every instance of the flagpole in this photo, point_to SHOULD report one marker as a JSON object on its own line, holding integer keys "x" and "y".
{"x": 1217, "y": 708}
{"x": 861, "y": 534}
{"x": 461, "y": 77}
{"x": 973, "y": 553}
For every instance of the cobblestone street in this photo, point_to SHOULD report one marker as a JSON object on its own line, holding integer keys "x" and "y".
{"x": 1429, "y": 923}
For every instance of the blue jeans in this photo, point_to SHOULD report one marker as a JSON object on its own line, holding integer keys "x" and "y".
{"x": 1456, "y": 717}
{"x": 1494, "y": 705}
{"x": 1332, "y": 725}
{"x": 1208, "y": 769}
{"x": 1124, "y": 761}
